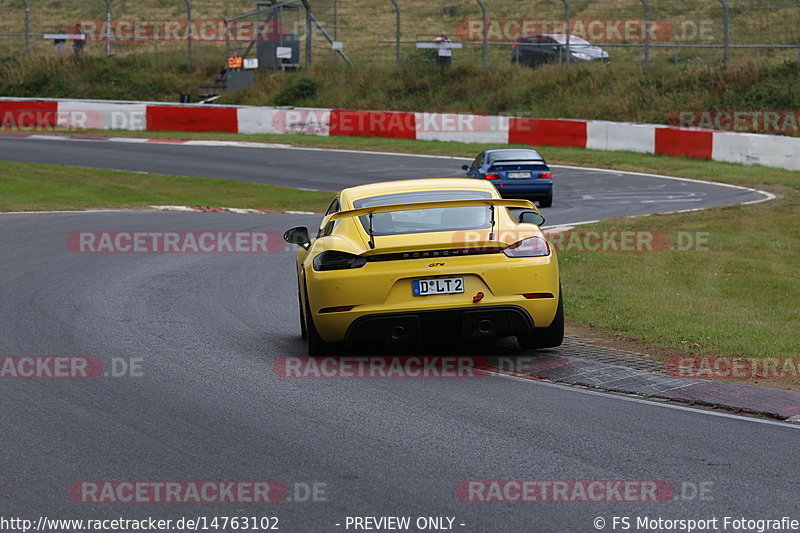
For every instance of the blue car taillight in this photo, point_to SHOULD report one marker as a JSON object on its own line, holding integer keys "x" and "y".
{"x": 335, "y": 260}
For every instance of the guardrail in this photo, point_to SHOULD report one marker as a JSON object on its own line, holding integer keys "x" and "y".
{"x": 31, "y": 115}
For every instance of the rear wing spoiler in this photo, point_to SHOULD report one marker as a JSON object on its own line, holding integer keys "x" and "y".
{"x": 478, "y": 202}
{"x": 509, "y": 162}
{"x": 413, "y": 206}
{"x": 516, "y": 161}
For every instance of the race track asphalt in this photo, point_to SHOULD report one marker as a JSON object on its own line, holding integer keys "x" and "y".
{"x": 207, "y": 405}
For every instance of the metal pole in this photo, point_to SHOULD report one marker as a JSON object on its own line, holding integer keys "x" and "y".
{"x": 189, "y": 34}
{"x": 227, "y": 42}
{"x": 647, "y": 23}
{"x": 726, "y": 14}
{"x": 485, "y": 31}
{"x": 397, "y": 30}
{"x": 798, "y": 49}
{"x": 335, "y": 20}
{"x": 567, "y": 27}
{"x": 308, "y": 38}
{"x": 108, "y": 28}
{"x": 27, "y": 25}
{"x": 308, "y": 32}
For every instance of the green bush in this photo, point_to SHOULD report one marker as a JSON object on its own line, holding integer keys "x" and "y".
{"x": 299, "y": 90}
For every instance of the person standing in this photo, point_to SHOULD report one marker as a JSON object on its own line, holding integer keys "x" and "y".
{"x": 444, "y": 53}
{"x": 78, "y": 40}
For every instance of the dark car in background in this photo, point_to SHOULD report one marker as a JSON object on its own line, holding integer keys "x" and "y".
{"x": 516, "y": 173}
{"x": 534, "y": 50}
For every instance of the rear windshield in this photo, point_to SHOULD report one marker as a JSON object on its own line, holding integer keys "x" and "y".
{"x": 573, "y": 39}
{"x": 425, "y": 220}
{"x": 515, "y": 155}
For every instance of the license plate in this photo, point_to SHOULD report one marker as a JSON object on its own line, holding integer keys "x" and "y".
{"x": 426, "y": 287}
{"x": 519, "y": 174}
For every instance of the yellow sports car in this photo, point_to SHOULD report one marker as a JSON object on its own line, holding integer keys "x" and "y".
{"x": 425, "y": 260}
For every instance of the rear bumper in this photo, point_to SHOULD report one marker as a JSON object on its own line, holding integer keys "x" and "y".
{"x": 510, "y": 188}
{"x": 385, "y": 288}
{"x": 439, "y": 325}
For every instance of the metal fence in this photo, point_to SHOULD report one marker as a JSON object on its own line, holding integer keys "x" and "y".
{"x": 390, "y": 31}
{"x": 641, "y": 31}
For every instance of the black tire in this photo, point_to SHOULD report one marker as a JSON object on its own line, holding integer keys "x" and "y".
{"x": 316, "y": 346}
{"x": 547, "y": 201}
{"x": 549, "y": 337}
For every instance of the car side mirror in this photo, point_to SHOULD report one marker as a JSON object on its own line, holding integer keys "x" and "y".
{"x": 298, "y": 236}
{"x": 531, "y": 217}
{"x": 464, "y": 167}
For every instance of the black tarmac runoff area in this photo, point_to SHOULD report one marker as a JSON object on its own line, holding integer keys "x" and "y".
{"x": 189, "y": 415}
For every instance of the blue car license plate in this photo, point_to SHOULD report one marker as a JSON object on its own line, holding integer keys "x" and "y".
{"x": 519, "y": 174}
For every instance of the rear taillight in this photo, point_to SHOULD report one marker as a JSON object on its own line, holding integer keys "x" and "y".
{"x": 545, "y": 176}
{"x": 531, "y": 247}
{"x": 492, "y": 176}
{"x": 334, "y": 260}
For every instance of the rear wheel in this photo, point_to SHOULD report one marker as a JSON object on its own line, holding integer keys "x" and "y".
{"x": 547, "y": 201}
{"x": 549, "y": 337}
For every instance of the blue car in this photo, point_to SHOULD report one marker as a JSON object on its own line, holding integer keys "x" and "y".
{"x": 516, "y": 173}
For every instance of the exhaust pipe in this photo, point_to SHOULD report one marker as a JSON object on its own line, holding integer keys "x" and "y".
{"x": 398, "y": 333}
{"x": 485, "y": 326}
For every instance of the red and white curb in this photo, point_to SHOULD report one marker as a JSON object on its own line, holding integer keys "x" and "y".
{"x": 141, "y": 140}
{"x": 236, "y": 210}
{"x": 174, "y": 208}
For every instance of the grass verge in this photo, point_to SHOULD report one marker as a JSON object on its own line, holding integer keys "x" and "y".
{"x": 34, "y": 186}
{"x": 737, "y": 295}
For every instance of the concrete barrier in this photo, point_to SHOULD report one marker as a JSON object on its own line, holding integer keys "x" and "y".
{"x": 26, "y": 115}
{"x": 756, "y": 149}
{"x": 464, "y": 128}
{"x": 602, "y": 135}
{"x": 392, "y": 124}
{"x": 192, "y": 118}
{"x": 547, "y": 132}
{"x": 31, "y": 114}
{"x": 102, "y": 116}
{"x": 684, "y": 142}
{"x": 270, "y": 120}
